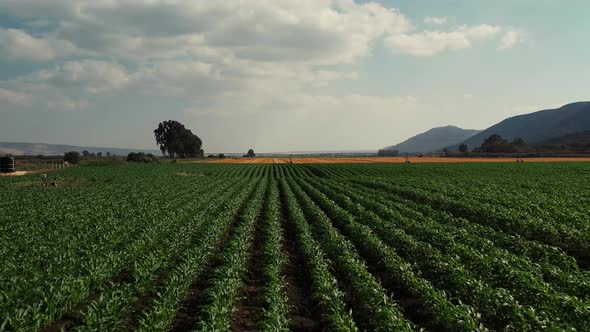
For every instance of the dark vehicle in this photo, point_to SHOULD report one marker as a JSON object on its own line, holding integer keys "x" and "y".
{"x": 7, "y": 165}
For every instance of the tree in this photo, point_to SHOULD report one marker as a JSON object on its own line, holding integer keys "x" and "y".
{"x": 175, "y": 140}
{"x": 99, "y": 154}
{"x": 497, "y": 144}
{"x": 221, "y": 156}
{"x": 463, "y": 148}
{"x": 250, "y": 154}
{"x": 387, "y": 153}
{"x": 85, "y": 153}
{"x": 141, "y": 157}
{"x": 108, "y": 154}
{"x": 494, "y": 143}
{"x": 72, "y": 157}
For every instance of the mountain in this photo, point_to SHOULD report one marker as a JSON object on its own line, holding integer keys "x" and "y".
{"x": 433, "y": 140}
{"x": 581, "y": 137}
{"x": 33, "y": 149}
{"x": 539, "y": 126}
{"x": 576, "y": 142}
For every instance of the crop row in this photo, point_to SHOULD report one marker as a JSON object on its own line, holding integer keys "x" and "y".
{"x": 180, "y": 246}
{"x": 91, "y": 258}
{"x": 495, "y": 267}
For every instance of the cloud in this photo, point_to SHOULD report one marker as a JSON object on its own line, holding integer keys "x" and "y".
{"x": 40, "y": 97}
{"x": 15, "y": 97}
{"x": 90, "y": 75}
{"x": 67, "y": 104}
{"x": 19, "y": 45}
{"x": 309, "y": 31}
{"x": 511, "y": 38}
{"x": 435, "y": 20}
{"x": 430, "y": 43}
{"x": 223, "y": 57}
{"x": 358, "y": 103}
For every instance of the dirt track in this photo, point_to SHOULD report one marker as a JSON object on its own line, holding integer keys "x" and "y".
{"x": 360, "y": 160}
{"x": 21, "y": 173}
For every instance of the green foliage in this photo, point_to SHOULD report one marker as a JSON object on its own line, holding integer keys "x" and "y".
{"x": 177, "y": 141}
{"x": 250, "y": 154}
{"x": 439, "y": 247}
{"x": 496, "y": 144}
{"x": 388, "y": 153}
{"x": 140, "y": 157}
{"x": 274, "y": 296}
{"x": 72, "y": 157}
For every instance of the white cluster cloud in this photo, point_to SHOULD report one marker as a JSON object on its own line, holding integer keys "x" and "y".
{"x": 316, "y": 32}
{"x": 435, "y": 20}
{"x": 19, "y": 45}
{"x": 430, "y": 43}
{"x": 311, "y": 31}
{"x": 511, "y": 38}
{"x": 91, "y": 75}
{"x": 208, "y": 52}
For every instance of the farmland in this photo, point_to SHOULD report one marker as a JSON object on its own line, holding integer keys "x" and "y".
{"x": 305, "y": 247}
{"x": 367, "y": 160}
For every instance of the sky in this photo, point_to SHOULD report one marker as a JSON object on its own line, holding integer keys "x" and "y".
{"x": 283, "y": 75}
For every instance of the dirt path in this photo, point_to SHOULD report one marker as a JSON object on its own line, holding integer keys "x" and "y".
{"x": 21, "y": 173}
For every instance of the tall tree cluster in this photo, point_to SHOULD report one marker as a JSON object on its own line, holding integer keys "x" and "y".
{"x": 496, "y": 144}
{"x": 175, "y": 140}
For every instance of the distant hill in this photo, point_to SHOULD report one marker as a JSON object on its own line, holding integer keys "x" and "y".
{"x": 539, "y": 126}
{"x": 433, "y": 140}
{"x": 575, "y": 138}
{"x": 33, "y": 149}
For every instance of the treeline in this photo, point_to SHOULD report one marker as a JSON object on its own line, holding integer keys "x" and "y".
{"x": 387, "y": 153}
{"x": 575, "y": 143}
{"x": 140, "y": 157}
{"x": 497, "y": 144}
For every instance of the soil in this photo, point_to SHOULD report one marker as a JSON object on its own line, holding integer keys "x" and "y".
{"x": 249, "y": 311}
{"x": 304, "y": 314}
{"x": 21, "y": 173}
{"x": 190, "y": 310}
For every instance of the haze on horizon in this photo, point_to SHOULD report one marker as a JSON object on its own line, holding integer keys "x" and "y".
{"x": 282, "y": 75}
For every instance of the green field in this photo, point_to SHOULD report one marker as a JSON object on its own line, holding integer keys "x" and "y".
{"x": 339, "y": 247}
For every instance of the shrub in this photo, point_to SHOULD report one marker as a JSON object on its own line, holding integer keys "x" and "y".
{"x": 72, "y": 157}
{"x": 140, "y": 157}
